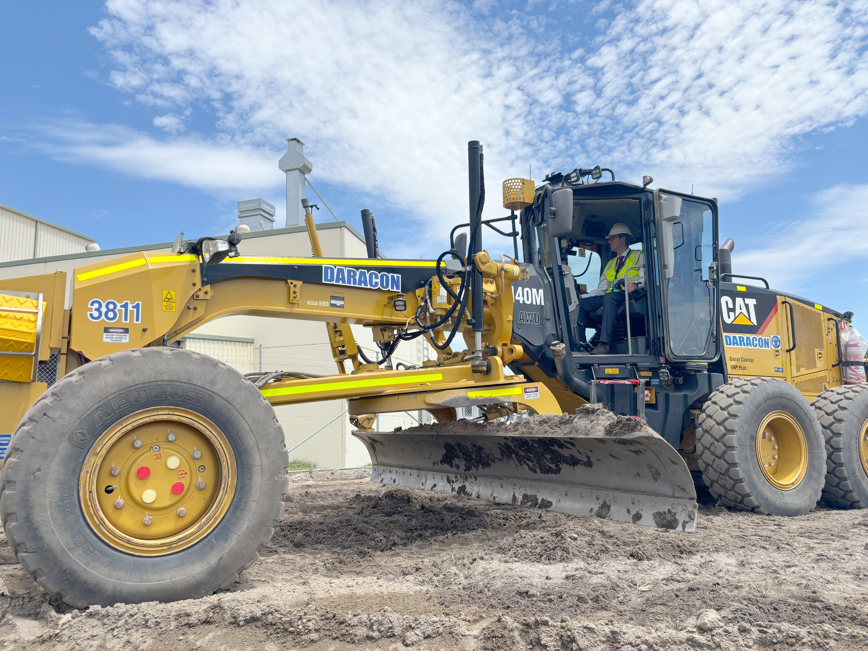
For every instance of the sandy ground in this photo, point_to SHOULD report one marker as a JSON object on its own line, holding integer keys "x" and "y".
{"x": 358, "y": 565}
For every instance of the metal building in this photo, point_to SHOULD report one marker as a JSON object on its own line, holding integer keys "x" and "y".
{"x": 25, "y": 236}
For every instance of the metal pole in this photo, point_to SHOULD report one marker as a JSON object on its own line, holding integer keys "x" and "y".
{"x": 370, "y": 229}
{"x": 474, "y": 161}
{"x": 260, "y": 358}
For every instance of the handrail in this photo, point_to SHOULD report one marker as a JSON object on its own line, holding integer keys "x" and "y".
{"x": 838, "y": 336}
{"x": 731, "y": 275}
{"x": 627, "y": 307}
{"x": 488, "y": 222}
{"x": 792, "y": 326}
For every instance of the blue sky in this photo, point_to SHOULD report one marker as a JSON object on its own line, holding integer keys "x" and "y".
{"x": 129, "y": 121}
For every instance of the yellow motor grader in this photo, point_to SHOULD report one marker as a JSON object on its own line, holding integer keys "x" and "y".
{"x": 146, "y": 472}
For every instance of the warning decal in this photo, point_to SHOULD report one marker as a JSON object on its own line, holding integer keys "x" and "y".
{"x": 116, "y": 335}
{"x": 531, "y": 393}
{"x": 169, "y": 300}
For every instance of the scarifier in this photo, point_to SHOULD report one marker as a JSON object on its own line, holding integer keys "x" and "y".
{"x": 151, "y": 473}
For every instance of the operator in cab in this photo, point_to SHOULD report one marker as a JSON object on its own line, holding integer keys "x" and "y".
{"x": 610, "y": 292}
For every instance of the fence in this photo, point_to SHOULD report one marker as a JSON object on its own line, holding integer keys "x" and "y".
{"x": 318, "y": 435}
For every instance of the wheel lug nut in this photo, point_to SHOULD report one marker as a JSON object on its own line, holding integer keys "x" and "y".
{"x": 181, "y": 512}
{"x": 119, "y": 504}
{"x": 137, "y": 444}
{"x": 115, "y": 471}
{"x": 147, "y": 521}
{"x": 774, "y": 456}
{"x": 197, "y": 454}
{"x": 200, "y": 485}
{"x": 155, "y": 448}
{"x": 775, "y": 446}
{"x": 171, "y": 437}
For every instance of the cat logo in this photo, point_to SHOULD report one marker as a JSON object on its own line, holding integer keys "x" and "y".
{"x": 743, "y": 312}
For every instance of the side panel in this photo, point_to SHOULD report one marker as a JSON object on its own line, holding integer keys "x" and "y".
{"x": 754, "y": 333}
{"x": 130, "y": 302}
{"x": 760, "y": 328}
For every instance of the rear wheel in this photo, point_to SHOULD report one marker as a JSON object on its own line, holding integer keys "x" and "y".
{"x": 759, "y": 447}
{"x": 152, "y": 474}
{"x": 843, "y": 415}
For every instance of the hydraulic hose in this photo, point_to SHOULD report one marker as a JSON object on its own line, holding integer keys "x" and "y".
{"x": 386, "y": 353}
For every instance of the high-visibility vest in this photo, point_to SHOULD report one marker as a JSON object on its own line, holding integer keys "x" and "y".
{"x": 630, "y": 261}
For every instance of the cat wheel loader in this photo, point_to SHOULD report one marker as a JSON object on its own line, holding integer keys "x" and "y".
{"x": 147, "y": 472}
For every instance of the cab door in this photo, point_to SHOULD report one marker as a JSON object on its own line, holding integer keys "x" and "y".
{"x": 686, "y": 248}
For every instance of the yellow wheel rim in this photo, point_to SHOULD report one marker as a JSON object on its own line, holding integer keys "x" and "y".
{"x": 863, "y": 446}
{"x": 782, "y": 450}
{"x": 158, "y": 481}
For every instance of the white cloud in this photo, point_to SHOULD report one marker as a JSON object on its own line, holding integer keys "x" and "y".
{"x": 222, "y": 167}
{"x": 713, "y": 93}
{"x": 833, "y": 234}
{"x": 170, "y": 122}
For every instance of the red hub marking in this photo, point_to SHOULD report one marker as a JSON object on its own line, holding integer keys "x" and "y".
{"x": 143, "y": 473}
{"x": 178, "y": 487}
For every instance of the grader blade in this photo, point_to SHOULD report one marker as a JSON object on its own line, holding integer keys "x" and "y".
{"x": 592, "y": 464}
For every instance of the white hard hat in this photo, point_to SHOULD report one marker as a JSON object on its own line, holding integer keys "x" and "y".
{"x": 620, "y": 229}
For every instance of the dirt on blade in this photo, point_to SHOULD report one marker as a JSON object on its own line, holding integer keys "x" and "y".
{"x": 358, "y": 565}
{"x": 590, "y": 421}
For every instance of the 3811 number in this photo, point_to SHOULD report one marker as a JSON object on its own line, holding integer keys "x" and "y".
{"x": 113, "y": 311}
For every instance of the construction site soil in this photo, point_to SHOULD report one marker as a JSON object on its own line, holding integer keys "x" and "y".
{"x": 356, "y": 565}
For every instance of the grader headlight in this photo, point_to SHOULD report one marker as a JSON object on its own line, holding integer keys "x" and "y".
{"x": 213, "y": 251}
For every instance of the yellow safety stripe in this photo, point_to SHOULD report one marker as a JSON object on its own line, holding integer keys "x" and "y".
{"x": 340, "y": 261}
{"x": 132, "y": 264}
{"x": 495, "y": 393}
{"x": 96, "y": 273}
{"x": 352, "y": 384}
{"x": 173, "y": 258}
{"x": 819, "y": 307}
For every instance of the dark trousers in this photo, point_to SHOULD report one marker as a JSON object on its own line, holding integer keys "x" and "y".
{"x": 610, "y": 303}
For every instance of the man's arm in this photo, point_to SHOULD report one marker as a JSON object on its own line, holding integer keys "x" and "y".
{"x": 602, "y": 288}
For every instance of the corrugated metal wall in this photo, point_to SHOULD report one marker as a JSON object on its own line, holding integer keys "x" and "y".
{"x": 18, "y": 233}
{"x": 54, "y": 241}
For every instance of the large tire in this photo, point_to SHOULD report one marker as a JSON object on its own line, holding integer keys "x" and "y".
{"x": 735, "y": 434}
{"x": 843, "y": 415}
{"x": 54, "y": 478}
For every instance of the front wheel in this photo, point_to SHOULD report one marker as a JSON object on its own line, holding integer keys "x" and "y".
{"x": 759, "y": 447}
{"x": 151, "y": 474}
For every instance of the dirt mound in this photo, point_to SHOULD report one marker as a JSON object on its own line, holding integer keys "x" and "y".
{"x": 373, "y": 523}
{"x": 593, "y": 421}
